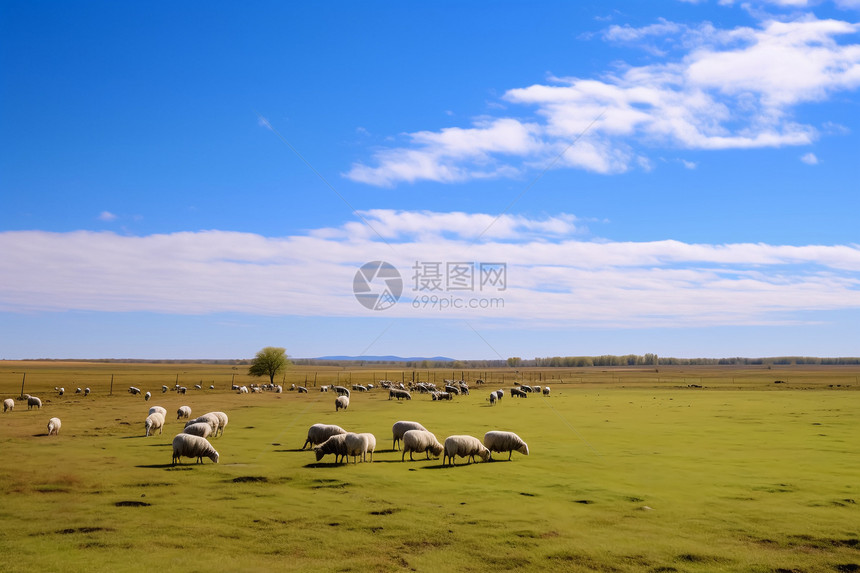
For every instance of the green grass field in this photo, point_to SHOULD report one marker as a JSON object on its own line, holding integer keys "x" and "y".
{"x": 630, "y": 470}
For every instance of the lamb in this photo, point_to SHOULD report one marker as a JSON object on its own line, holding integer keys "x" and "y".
{"x": 341, "y": 402}
{"x": 160, "y": 410}
{"x": 54, "y": 427}
{"x": 155, "y": 421}
{"x": 371, "y": 444}
{"x": 546, "y": 390}
{"x": 464, "y": 446}
{"x": 201, "y": 429}
{"x": 33, "y": 401}
{"x": 222, "y": 422}
{"x": 319, "y": 433}
{"x": 334, "y": 445}
{"x": 193, "y": 447}
{"x": 210, "y": 418}
{"x": 183, "y": 412}
{"x": 400, "y": 428}
{"x": 420, "y": 441}
{"x": 8, "y": 404}
{"x": 496, "y": 441}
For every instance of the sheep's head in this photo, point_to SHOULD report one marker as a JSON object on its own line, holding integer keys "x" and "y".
{"x": 485, "y": 454}
{"x": 437, "y": 449}
{"x": 214, "y": 456}
{"x": 524, "y": 449}
{"x": 319, "y": 453}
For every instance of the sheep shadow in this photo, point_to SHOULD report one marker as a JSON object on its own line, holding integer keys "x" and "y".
{"x": 325, "y": 465}
{"x": 157, "y": 466}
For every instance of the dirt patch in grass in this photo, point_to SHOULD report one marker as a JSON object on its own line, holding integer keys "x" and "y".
{"x": 250, "y": 479}
{"x": 132, "y": 504}
{"x": 82, "y": 530}
{"x": 388, "y": 511}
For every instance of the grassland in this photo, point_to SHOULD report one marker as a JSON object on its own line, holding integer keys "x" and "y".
{"x": 630, "y": 470}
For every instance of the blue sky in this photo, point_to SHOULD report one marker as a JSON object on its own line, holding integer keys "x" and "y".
{"x": 202, "y": 180}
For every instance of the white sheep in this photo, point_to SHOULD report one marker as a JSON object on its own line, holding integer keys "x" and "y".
{"x": 33, "y": 401}
{"x": 160, "y": 410}
{"x": 499, "y": 395}
{"x": 147, "y": 396}
{"x": 465, "y": 447}
{"x": 497, "y": 441}
{"x": 132, "y": 390}
{"x": 86, "y": 391}
{"x": 210, "y": 418}
{"x": 341, "y": 391}
{"x": 341, "y": 402}
{"x": 319, "y": 433}
{"x": 8, "y": 404}
{"x": 356, "y": 446}
{"x": 222, "y": 422}
{"x": 371, "y": 444}
{"x": 334, "y": 445}
{"x": 302, "y": 390}
{"x": 193, "y": 447}
{"x": 420, "y": 441}
{"x": 401, "y": 427}
{"x": 61, "y": 391}
{"x": 155, "y": 421}
{"x": 183, "y": 412}
{"x": 54, "y": 427}
{"x": 399, "y": 394}
{"x": 163, "y": 389}
{"x": 493, "y": 398}
{"x": 546, "y": 390}
{"x": 201, "y": 429}
{"x": 77, "y": 390}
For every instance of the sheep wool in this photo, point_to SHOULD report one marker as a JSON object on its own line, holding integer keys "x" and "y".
{"x": 54, "y": 427}
{"x": 420, "y": 441}
{"x": 8, "y": 404}
{"x": 33, "y": 402}
{"x": 356, "y": 446}
{"x": 222, "y": 422}
{"x": 186, "y": 445}
{"x": 210, "y": 418}
{"x": 497, "y": 441}
{"x": 319, "y": 433}
{"x": 371, "y": 444}
{"x": 341, "y": 403}
{"x": 155, "y": 421}
{"x": 183, "y": 412}
{"x": 400, "y": 428}
{"x": 465, "y": 447}
{"x": 201, "y": 429}
{"x": 160, "y": 410}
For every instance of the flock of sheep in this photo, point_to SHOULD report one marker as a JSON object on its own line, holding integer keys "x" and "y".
{"x": 331, "y": 439}
{"x": 327, "y": 439}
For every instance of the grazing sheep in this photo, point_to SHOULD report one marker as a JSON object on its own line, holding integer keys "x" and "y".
{"x": 500, "y": 394}
{"x": 496, "y": 441}
{"x": 516, "y": 393}
{"x": 193, "y": 447}
{"x": 324, "y": 388}
{"x": 359, "y": 388}
{"x": 243, "y": 390}
{"x": 33, "y": 401}
{"x": 371, "y": 444}
{"x": 183, "y": 412}
{"x": 160, "y": 410}
{"x": 163, "y": 389}
{"x": 546, "y": 390}
{"x": 61, "y": 391}
{"x": 210, "y": 418}
{"x": 222, "y": 422}
{"x": 155, "y": 421}
{"x": 356, "y": 446}
{"x": 302, "y": 390}
{"x": 54, "y": 427}
{"x": 8, "y": 404}
{"x": 319, "y": 433}
{"x": 525, "y": 388}
{"x": 396, "y": 393}
{"x": 182, "y": 390}
{"x": 334, "y": 445}
{"x": 341, "y": 402}
{"x": 279, "y": 389}
{"x": 77, "y": 390}
{"x": 86, "y": 391}
{"x": 493, "y": 398}
{"x": 420, "y": 441}
{"x": 147, "y": 396}
{"x": 465, "y": 447}
{"x": 537, "y": 389}
{"x": 400, "y": 428}
{"x": 133, "y": 391}
{"x": 198, "y": 387}
{"x": 201, "y": 429}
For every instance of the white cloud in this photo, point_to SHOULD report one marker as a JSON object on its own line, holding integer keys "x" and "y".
{"x": 728, "y": 89}
{"x": 553, "y": 275}
{"x": 107, "y": 216}
{"x": 809, "y": 159}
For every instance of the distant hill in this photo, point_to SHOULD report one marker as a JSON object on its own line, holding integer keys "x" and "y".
{"x": 386, "y": 358}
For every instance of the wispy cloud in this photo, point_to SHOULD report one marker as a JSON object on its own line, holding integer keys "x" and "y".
{"x": 720, "y": 89}
{"x": 809, "y": 159}
{"x": 554, "y": 274}
{"x": 106, "y": 216}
